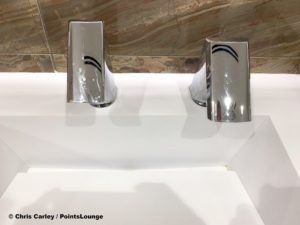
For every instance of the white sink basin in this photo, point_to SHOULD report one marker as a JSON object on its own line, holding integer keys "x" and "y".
{"x": 151, "y": 158}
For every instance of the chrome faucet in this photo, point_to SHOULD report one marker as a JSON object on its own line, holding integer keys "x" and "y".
{"x": 89, "y": 70}
{"x": 222, "y": 83}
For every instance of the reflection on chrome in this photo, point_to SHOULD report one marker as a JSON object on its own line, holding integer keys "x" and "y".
{"x": 222, "y": 83}
{"x": 89, "y": 69}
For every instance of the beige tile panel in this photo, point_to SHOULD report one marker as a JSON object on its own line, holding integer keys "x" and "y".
{"x": 25, "y": 63}
{"x": 21, "y": 30}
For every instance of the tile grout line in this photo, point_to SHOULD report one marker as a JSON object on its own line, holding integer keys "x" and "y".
{"x": 274, "y": 57}
{"x": 46, "y": 37}
{"x": 157, "y": 56}
{"x": 198, "y": 56}
{"x": 23, "y": 54}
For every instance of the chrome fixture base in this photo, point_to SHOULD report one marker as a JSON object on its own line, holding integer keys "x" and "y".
{"x": 89, "y": 69}
{"x": 222, "y": 83}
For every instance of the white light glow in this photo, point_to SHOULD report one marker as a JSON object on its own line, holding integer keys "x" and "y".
{"x": 242, "y": 109}
{"x": 227, "y": 102}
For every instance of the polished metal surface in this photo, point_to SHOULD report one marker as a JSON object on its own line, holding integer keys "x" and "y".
{"x": 222, "y": 83}
{"x": 89, "y": 69}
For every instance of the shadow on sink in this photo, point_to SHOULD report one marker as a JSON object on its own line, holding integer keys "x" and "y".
{"x": 150, "y": 203}
{"x": 280, "y": 206}
{"x": 269, "y": 176}
{"x": 123, "y": 113}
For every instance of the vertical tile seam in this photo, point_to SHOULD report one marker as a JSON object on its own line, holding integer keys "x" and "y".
{"x": 46, "y": 36}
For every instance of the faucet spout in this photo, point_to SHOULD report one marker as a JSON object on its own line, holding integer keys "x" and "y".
{"x": 89, "y": 76}
{"x": 222, "y": 83}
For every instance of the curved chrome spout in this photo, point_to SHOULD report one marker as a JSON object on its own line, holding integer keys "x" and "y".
{"x": 223, "y": 82}
{"x": 89, "y": 69}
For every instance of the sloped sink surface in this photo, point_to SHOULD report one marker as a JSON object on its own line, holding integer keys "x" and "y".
{"x": 171, "y": 196}
{"x": 150, "y": 158}
{"x": 124, "y": 142}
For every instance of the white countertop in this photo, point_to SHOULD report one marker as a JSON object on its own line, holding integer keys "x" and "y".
{"x": 273, "y": 95}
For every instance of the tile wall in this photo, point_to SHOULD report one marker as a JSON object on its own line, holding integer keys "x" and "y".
{"x": 150, "y": 35}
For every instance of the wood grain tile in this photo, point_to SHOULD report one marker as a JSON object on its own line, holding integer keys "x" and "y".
{"x": 153, "y": 35}
{"x": 275, "y": 65}
{"x": 160, "y": 27}
{"x": 142, "y": 64}
{"x": 179, "y": 27}
{"x": 155, "y": 64}
{"x": 25, "y": 63}
{"x": 272, "y": 27}
{"x": 123, "y": 22}
{"x": 187, "y": 64}
{"x": 60, "y": 62}
{"x": 21, "y": 30}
